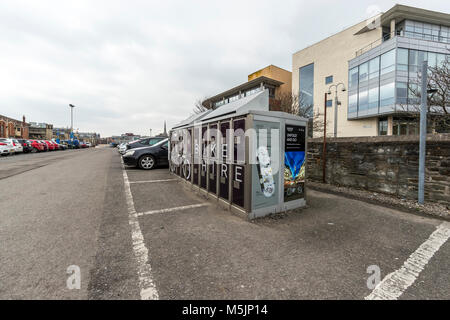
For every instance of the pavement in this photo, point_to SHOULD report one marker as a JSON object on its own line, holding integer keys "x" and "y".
{"x": 135, "y": 238}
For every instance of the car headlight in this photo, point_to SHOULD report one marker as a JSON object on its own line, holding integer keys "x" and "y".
{"x": 129, "y": 153}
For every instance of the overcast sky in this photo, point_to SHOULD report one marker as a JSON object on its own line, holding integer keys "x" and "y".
{"x": 129, "y": 65}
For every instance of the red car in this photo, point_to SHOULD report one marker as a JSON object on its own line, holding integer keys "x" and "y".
{"x": 55, "y": 144}
{"x": 37, "y": 146}
{"x": 51, "y": 146}
{"x": 83, "y": 145}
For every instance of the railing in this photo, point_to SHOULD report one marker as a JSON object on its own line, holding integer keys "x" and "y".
{"x": 406, "y": 34}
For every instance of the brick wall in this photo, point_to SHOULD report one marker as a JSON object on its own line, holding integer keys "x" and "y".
{"x": 387, "y": 164}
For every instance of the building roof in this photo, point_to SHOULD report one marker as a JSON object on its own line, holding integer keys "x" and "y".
{"x": 401, "y": 12}
{"x": 258, "y": 101}
{"x": 242, "y": 87}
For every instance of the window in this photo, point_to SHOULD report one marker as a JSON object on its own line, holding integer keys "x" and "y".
{"x": 413, "y": 93}
{"x": 353, "y": 78}
{"x": 363, "y": 104}
{"x": 388, "y": 62}
{"x": 402, "y": 93}
{"x": 402, "y": 59}
{"x": 352, "y": 103}
{"x": 363, "y": 72}
{"x": 373, "y": 98}
{"x": 382, "y": 126}
{"x": 387, "y": 93}
{"x": 307, "y": 86}
{"x": 329, "y": 103}
{"x": 374, "y": 68}
{"x": 328, "y": 79}
{"x": 405, "y": 126}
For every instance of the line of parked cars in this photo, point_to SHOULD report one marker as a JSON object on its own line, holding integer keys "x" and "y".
{"x": 9, "y": 146}
{"x": 146, "y": 153}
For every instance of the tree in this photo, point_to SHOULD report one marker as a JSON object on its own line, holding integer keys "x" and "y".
{"x": 199, "y": 107}
{"x": 438, "y": 103}
{"x": 297, "y": 104}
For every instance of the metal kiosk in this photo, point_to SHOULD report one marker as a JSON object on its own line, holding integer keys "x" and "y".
{"x": 247, "y": 158}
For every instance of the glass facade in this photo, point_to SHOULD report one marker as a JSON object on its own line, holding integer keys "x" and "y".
{"x": 387, "y": 82}
{"x": 372, "y": 86}
{"x": 307, "y": 86}
{"x": 424, "y": 31}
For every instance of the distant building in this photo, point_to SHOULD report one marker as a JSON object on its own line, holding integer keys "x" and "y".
{"x": 277, "y": 80}
{"x": 125, "y": 137}
{"x": 91, "y": 137}
{"x": 12, "y": 128}
{"x": 41, "y": 131}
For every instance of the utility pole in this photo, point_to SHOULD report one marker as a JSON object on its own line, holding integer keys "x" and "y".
{"x": 71, "y": 119}
{"x": 324, "y": 148}
{"x": 150, "y": 132}
{"x": 423, "y": 132}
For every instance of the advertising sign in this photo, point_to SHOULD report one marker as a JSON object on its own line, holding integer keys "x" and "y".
{"x": 294, "y": 163}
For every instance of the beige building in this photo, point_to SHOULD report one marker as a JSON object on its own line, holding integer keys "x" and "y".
{"x": 273, "y": 78}
{"x": 380, "y": 57}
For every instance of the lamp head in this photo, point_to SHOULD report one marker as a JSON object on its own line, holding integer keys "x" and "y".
{"x": 329, "y": 92}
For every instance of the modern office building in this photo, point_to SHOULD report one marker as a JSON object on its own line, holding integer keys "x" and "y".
{"x": 273, "y": 78}
{"x": 377, "y": 61}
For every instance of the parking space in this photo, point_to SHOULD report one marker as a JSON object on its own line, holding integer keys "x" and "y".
{"x": 321, "y": 252}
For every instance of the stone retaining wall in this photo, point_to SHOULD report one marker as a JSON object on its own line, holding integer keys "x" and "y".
{"x": 387, "y": 164}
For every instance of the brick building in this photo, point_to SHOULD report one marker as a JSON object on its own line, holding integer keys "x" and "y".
{"x": 12, "y": 128}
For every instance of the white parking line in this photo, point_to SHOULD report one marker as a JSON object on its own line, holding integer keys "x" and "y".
{"x": 153, "y": 181}
{"x": 146, "y": 284}
{"x": 395, "y": 283}
{"x": 173, "y": 209}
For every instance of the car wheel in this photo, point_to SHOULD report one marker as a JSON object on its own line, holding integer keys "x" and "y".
{"x": 34, "y": 150}
{"x": 146, "y": 162}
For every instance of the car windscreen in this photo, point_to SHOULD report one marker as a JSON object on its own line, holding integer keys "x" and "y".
{"x": 161, "y": 142}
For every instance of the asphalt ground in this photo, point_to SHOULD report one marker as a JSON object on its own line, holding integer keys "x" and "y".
{"x": 64, "y": 209}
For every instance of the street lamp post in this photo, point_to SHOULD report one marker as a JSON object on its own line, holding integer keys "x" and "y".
{"x": 71, "y": 119}
{"x": 336, "y": 103}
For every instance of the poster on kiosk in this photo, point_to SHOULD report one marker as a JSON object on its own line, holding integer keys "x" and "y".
{"x": 294, "y": 163}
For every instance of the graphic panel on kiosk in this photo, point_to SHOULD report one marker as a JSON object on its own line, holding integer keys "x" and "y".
{"x": 265, "y": 172}
{"x": 294, "y": 163}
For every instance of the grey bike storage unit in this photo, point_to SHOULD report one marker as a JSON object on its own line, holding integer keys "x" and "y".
{"x": 249, "y": 159}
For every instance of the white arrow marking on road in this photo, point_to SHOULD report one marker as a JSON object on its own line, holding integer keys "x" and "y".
{"x": 395, "y": 283}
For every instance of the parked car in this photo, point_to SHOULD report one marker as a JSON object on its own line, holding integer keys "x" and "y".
{"x": 44, "y": 145}
{"x": 148, "y": 157}
{"x": 6, "y": 146}
{"x": 36, "y": 146}
{"x": 146, "y": 142}
{"x": 17, "y": 146}
{"x": 83, "y": 144}
{"x": 51, "y": 146}
{"x": 56, "y": 145}
{"x": 88, "y": 144}
{"x": 62, "y": 146}
{"x": 26, "y": 145}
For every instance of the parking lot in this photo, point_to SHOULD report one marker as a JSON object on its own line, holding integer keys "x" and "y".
{"x": 197, "y": 250}
{"x": 139, "y": 234}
